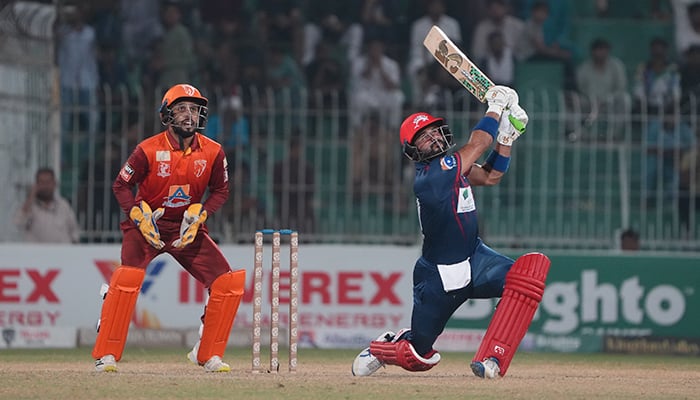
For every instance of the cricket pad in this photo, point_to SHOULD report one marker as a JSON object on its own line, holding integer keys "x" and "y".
{"x": 117, "y": 310}
{"x": 403, "y": 354}
{"x": 522, "y": 294}
{"x": 224, "y": 298}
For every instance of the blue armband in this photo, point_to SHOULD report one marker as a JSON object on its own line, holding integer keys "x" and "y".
{"x": 488, "y": 125}
{"x": 498, "y": 162}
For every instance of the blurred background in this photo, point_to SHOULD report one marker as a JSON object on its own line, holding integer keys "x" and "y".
{"x": 609, "y": 161}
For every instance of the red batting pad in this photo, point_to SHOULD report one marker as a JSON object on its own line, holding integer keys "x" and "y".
{"x": 225, "y": 297}
{"x": 521, "y": 295}
{"x": 117, "y": 309}
{"x": 403, "y": 354}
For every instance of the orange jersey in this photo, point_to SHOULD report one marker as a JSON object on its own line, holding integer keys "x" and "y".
{"x": 171, "y": 178}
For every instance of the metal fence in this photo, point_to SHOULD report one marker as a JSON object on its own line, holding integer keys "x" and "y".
{"x": 28, "y": 105}
{"x": 580, "y": 175}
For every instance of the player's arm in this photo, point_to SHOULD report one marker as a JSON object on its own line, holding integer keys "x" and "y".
{"x": 133, "y": 172}
{"x": 479, "y": 141}
{"x": 218, "y": 184}
{"x": 497, "y": 162}
{"x": 512, "y": 125}
{"x": 486, "y": 174}
{"x": 486, "y": 131}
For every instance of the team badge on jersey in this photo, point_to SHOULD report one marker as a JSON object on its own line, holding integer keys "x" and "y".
{"x": 448, "y": 162}
{"x": 199, "y": 167}
{"x": 127, "y": 172}
{"x": 178, "y": 196}
{"x": 163, "y": 169}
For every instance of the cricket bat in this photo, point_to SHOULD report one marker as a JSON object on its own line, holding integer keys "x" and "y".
{"x": 457, "y": 63}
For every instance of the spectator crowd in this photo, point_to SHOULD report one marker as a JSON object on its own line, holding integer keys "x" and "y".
{"x": 368, "y": 56}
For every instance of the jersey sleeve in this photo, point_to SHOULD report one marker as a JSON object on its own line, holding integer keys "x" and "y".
{"x": 444, "y": 171}
{"x": 218, "y": 184}
{"x": 133, "y": 172}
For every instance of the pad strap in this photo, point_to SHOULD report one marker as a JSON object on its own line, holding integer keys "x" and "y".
{"x": 225, "y": 296}
{"x": 403, "y": 354}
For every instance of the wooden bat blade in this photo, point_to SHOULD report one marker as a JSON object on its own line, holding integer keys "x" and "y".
{"x": 457, "y": 63}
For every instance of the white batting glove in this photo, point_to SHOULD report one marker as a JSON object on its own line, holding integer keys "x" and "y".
{"x": 512, "y": 125}
{"x": 500, "y": 98}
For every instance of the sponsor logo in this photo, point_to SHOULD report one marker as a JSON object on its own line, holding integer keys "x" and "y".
{"x": 465, "y": 202}
{"x": 225, "y": 170}
{"x": 499, "y": 350}
{"x": 127, "y": 172}
{"x": 178, "y": 196}
{"x": 569, "y": 304}
{"x": 652, "y": 345}
{"x": 345, "y": 288}
{"x": 587, "y": 306}
{"x": 41, "y": 282}
{"x": 142, "y": 318}
{"x": 8, "y": 336}
{"x": 107, "y": 267}
{"x": 162, "y": 155}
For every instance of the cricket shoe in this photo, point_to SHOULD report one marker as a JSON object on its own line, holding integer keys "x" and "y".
{"x": 215, "y": 364}
{"x": 365, "y": 363}
{"x": 192, "y": 355}
{"x": 106, "y": 363}
{"x": 488, "y": 368}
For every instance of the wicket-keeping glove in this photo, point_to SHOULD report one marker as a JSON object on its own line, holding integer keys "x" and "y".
{"x": 145, "y": 220}
{"x": 500, "y": 98}
{"x": 194, "y": 216}
{"x": 510, "y": 128}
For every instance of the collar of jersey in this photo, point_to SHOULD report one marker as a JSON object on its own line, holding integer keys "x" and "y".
{"x": 174, "y": 145}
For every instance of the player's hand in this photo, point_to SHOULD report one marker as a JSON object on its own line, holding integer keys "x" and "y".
{"x": 512, "y": 125}
{"x": 194, "y": 216}
{"x": 145, "y": 220}
{"x": 500, "y": 98}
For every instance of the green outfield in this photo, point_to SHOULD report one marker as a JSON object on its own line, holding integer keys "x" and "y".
{"x": 325, "y": 374}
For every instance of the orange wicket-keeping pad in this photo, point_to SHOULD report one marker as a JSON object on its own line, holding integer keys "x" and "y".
{"x": 224, "y": 298}
{"x": 117, "y": 310}
{"x": 522, "y": 293}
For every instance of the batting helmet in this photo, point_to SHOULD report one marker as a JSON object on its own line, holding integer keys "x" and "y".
{"x": 415, "y": 124}
{"x": 183, "y": 92}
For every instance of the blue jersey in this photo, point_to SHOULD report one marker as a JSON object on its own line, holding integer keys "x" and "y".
{"x": 446, "y": 209}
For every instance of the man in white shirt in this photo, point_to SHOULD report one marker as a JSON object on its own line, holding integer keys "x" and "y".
{"x": 375, "y": 85}
{"x": 686, "y": 18}
{"x": 498, "y": 20}
{"x": 46, "y": 217}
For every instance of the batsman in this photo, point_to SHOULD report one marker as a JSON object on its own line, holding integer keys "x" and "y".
{"x": 455, "y": 264}
{"x": 172, "y": 170}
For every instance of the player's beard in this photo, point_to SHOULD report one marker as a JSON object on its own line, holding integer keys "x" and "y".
{"x": 185, "y": 130}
